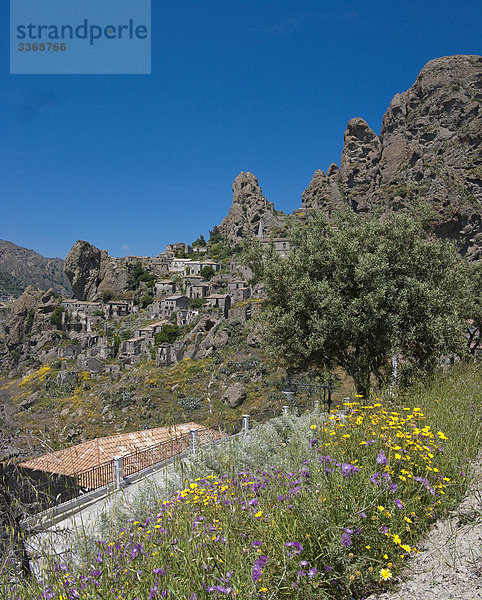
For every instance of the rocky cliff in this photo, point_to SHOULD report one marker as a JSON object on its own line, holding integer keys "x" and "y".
{"x": 29, "y": 329}
{"x": 92, "y": 271}
{"x": 428, "y": 151}
{"x": 249, "y": 209}
{"x": 20, "y": 267}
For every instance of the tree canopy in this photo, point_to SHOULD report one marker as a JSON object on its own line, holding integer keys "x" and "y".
{"x": 358, "y": 290}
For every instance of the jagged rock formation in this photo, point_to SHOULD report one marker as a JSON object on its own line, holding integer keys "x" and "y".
{"x": 325, "y": 192}
{"x": 427, "y": 151}
{"x": 20, "y": 267}
{"x": 249, "y": 209}
{"x": 92, "y": 271}
{"x": 29, "y": 330}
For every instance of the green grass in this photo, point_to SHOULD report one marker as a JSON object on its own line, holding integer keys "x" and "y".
{"x": 309, "y": 507}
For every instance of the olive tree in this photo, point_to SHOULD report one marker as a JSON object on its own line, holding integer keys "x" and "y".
{"x": 358, "y": 290}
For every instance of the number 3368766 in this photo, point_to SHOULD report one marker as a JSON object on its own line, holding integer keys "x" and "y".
{"x": 42, "y": 47}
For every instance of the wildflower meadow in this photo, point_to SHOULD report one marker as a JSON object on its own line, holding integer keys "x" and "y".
{"x": 321, "y": 506}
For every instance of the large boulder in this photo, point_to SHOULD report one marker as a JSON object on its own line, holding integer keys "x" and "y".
{"x": 235, "y": 395}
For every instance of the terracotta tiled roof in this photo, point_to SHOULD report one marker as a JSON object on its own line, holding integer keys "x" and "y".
{"x": 76, "y": 459}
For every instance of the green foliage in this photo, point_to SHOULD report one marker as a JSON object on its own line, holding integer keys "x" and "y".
{"x": 146, "y": 300}
{"x": 10, "y": 285}
{"x": 215, "y": 236}
{"x": 199, "y": 242}
{"x": 190, "y": 403}
{"x": 198, "y": 302}
{"x": 332, "y": 505}
{"x": 168, "y": 334}
{"x": 117, "y": 343}
{"x": 107, "y": 296}
{"x": 56, "y": 317}
{"x": 207, "y": 272}
{"x": 120, "y": 398}
{"x": 356, "y": 291}
{"x": 474, "y": 330}
{"x": 138, "y": 275}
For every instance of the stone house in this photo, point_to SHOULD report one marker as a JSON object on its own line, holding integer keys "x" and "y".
{"x": 159, "y": 266}
{"x": 179, "y": 247}
{"x": 80, "y": 307}
{"x": 146, "y": 333}
{"x": 240, "y": 294}
{"x": 280, "y": 245}
{"x": 168, "y": 354}
{"x": 198, "y": 290}
{"x": 240, "y": 270}
{"x": 210, "y": 263}
{"x": 220, "y": 302}
{"x": 236, "y": 284}
{"x": 119, "y": 308}
{"x": 149, "y": 332}
{"x": 134, "y": 346}
{"x": 172, "y": 303}
{"x": 162, "y": 288}
{"x": 178, "y": 265}
{"x": 143, "y": 260}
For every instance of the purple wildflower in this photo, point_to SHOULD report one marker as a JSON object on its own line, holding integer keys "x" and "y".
{"x": 398, "y": 503}
{"x": 346, "y": 540}
{"x": 348, "y": 469}
{"x": 381, "y": 458}
{"x": 313, "y": 571}
{"x": 295, "y": 547}
{"x": 259, "y": 564}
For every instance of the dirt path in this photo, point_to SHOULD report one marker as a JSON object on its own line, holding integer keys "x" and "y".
{"x": 449, "y": 566}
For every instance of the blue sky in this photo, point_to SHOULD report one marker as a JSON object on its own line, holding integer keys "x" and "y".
{"x": 132, "y": 162}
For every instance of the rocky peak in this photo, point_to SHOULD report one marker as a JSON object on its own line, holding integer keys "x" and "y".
{"x": 29, "y": 319}
{"x": 248, "y": 210}
{"x": 427, "y": 151}
{"x": 92, "y": 271}
{"x": 325, "y": 192}
{"x": 82, "y": 267}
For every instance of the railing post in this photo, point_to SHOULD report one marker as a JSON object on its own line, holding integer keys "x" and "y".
{"x": 193, "y": 440}
{"x": 316, "y": 406}
{"x": 118, "y": 471}
{"x": 245, "y": 423}
{"x": 285, "y": 410}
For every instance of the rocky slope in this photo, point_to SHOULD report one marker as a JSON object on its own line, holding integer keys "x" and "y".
{"x": 249, "y": 209}
{"x": 21, "y": 267}
{"x": 427, "y": 152}
{"x": 450, "y": 564}
{"x": 92, "y": 271}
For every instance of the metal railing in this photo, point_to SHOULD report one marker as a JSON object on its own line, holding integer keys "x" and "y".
{"x": 103, "y": 474}
{"x": 96, "y": 476}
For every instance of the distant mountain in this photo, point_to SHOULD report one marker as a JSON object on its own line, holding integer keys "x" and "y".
{"x": 20, "y": 267}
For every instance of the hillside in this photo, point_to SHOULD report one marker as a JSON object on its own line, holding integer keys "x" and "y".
{"x": 151, "y": 341}
{"x": 20, "y": 267}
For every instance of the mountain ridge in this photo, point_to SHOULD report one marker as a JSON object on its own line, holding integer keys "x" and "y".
{"x": 22, "y": 267}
